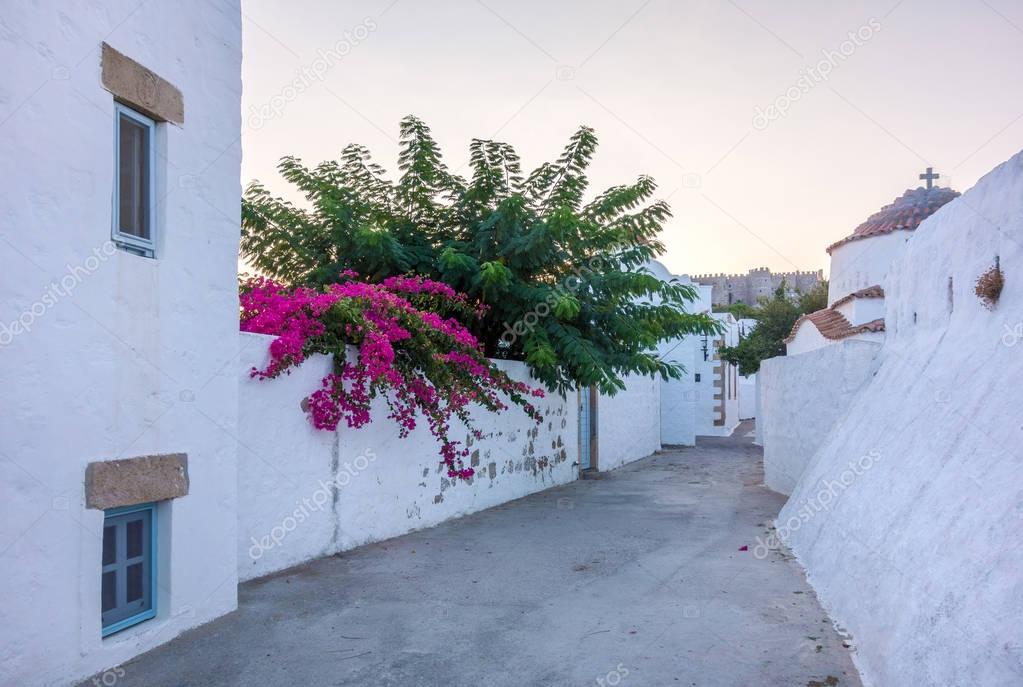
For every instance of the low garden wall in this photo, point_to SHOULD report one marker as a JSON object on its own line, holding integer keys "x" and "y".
{"x": 306, "y": 493}
{"x": 629, "y": 423}
{"x": 282, "y": 459}
{"x": 388, "y": 485}
{"x": 802, "y": 399}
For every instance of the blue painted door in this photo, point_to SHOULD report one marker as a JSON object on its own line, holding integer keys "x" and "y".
{"x": 585, "y": 425}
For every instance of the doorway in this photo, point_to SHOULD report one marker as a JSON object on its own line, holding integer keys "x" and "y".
{"x": 588, "y": 429}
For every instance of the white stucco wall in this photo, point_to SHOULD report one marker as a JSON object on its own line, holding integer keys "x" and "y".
{"x": 306, "y": 493}
{"x": 758, "y": 437}
{"x": 859, "y": 264}
{"x": 747, "y": 385}
{"x": 803, "y": 399}
{"x": 282, "y": 460}
{"x": 807, "y": 338}
{"x": 629, "y": 423}
{"x": 404, "y": 488}
{"x": 126, "y": 356}
{"x": 862, "y": 310}
{"x": 748, "y": 397}
{"x": 918, "y": 554}
{"x": 684, "y": 400}
{"x": 679, "y": 397}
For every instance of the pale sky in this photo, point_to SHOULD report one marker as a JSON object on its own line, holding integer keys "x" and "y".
{"x": 673, "y": 90}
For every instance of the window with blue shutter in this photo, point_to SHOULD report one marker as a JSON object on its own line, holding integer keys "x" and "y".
{"x": 128, "y": 582}
{"x": 134, "y": 226}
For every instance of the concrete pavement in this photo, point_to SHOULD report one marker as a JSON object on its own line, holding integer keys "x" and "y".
{"x": 633, "y": 579}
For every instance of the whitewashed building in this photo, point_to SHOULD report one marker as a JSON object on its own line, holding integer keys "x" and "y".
{"x": 705, "y": 401}
{"x": 747, "y": 384}
{"x": 859, "y": 268}
{"x": 120, "y": 157}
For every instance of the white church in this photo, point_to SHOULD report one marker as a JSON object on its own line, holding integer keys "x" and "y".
{"x": 859, "y": 267}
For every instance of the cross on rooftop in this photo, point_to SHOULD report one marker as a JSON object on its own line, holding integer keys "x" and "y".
{"x": 930, "y": 176}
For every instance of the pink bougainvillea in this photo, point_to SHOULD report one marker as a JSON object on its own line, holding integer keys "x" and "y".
{"x": 425, "y": 365}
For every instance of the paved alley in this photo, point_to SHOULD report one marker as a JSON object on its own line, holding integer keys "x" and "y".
{"x": 633, "y": 579}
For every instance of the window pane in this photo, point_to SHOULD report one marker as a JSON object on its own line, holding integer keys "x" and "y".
{"x": 109, "y": 544}
{"x": 109, "y": 590}
{"x": 134, "y": 545}
{"x": 126, "y": 583}
{"x": 134, "y": 580}
{"x": 133, "y": 155}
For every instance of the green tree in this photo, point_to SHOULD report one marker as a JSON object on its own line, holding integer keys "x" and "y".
{"x": 775, "y": 318}
{"x": 562, "y": 277}
{"x": 815, "y": 299}
{"x": 739, "y": 310}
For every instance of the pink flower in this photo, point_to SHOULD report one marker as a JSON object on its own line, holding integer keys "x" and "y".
{"x": 426, "y": 366}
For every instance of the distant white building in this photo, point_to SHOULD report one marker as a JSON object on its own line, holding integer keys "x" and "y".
{"x": 120, "y": 150}
{"x": 705, "y": 402}
{"x": 859, "y": 268}
{"x": 747, "y": 384}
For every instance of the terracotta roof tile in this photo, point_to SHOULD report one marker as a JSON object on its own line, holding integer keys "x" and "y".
{"x": 833, "y": 325}
{"x": 905, "y": 214}
{"x": 874, "y": 291}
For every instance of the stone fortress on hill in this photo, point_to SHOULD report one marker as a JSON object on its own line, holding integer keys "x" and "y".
{"x": 759, "y": 281}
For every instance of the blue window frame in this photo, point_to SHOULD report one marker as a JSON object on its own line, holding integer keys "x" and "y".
{"x": 128, "y": 578}
{"x": 134, "y": 211}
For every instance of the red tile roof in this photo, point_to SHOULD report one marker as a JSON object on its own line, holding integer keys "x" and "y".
{"x": 833, "y": 325}
{"x": 905, "y": 214}
{"x": 874, "y": 291}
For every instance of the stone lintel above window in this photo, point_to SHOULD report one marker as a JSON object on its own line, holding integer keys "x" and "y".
{"x": 131, "y": 481}
{"x": 140, "y": 88}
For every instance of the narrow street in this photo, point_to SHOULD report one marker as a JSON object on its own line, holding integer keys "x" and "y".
{"x": 633, "y": 579}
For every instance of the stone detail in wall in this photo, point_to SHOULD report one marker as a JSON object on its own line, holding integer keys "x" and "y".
{"x": 138, "y": 87}
{"x": 130, "y": 481}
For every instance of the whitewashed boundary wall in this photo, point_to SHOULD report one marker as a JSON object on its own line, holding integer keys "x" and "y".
{"x": 680, "y": 399}
{"x": 629, "y": 423}
{"x": 803, "y": 398}
{"x": 285, "y": 515}
{"x": 748, "y": 397}
{"x": 306, "y": 493}
{"x": 403, "y": 487}
{"x": 759, "y": 422}
{"x": 908, "y": 519}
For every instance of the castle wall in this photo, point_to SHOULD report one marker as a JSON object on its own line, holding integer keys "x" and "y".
{"x": 756, "y": 284}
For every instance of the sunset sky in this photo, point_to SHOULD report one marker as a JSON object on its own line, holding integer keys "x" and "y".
{"x": 874, "y": 92}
